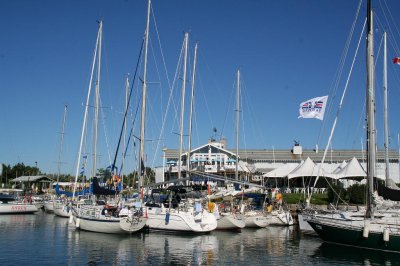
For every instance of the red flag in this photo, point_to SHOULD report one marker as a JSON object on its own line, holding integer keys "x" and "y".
{"x": 396, "y": 60}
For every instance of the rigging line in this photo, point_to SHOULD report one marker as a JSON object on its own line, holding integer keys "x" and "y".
{"x": 127, "y": 106}
{"x": 203, "y": 94}
{"x": 242, "y": 116}
{"x": 159, "y": 44}
{"x": 86, "y": 110}
{"x": 340, "y": 107}
{"x": 170, "y": 98}
{"x": 253, "y": 116}
{"x": 157, "y": 148}
{"x": 340, "y": 69}
{"x": 171, "y": 86}
{"x": 105, "y": 132}
{"x": 392, "y": 19}
{"x": 228, "y": 107}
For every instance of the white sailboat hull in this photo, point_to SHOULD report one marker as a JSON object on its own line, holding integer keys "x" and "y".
{"x": 90, "y": 219}
{"x": 280, "y": 217}
{"x": 180, "y": 220}
{"x": 61, "y": 210}
{"x": 48, "y": 206}
{"x": 230, "y": 221}
{"x": 256, "y": 220}
{"x": 17, "y": 208}
{"x": 304, "y": 226}
{"x": 100, "y": 225}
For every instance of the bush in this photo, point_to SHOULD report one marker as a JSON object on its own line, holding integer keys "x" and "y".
{"x": 334, "y": 191}
{"x": 317, "y": 199}
{"x": 357, "y": 194}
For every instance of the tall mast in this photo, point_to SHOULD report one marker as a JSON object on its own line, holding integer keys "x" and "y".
{"x": 97, "y": 104}
{"x": 385, "y": 114}
{"x": 123, "y": 150}
{"x": 182, "y": 103}
{"x": 191, "y": 109}
{"x": 370, "y": 93}
{"x": 86, "y": 110}
{"x": 237, "y": 124}
{"x": 141, "y": 168}
{"x": 61, "y": 143}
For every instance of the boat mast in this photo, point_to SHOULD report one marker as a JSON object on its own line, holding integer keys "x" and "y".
{"x": 86, "y": 110}
{"x": 191, "y": 110}
{"x": 237, "y": 123}
{"x": 370, "y": 93}
{"x": 61, "y": 142}
{"x": 97, "y": 104}
{"x": 182, "y": 103}
{"x": 141, "y": 167}
{"x": 385, "y": 114}
{"x": 124, "y": 143}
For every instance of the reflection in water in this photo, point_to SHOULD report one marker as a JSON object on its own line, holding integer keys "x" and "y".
{"x": 52, "y": 240}
{"x": 346, "y": 255}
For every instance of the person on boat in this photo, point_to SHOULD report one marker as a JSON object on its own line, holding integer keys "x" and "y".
{"x": 279, "y": 198}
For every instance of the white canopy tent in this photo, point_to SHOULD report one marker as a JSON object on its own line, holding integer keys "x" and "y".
{"x": 309, "y": 169}
{"x": 281, "y": 172}
{"x": 340, "y": 167}
{"x": 352, "y": 170}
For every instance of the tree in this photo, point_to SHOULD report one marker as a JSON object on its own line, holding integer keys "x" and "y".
{"x": 17, "y": 170}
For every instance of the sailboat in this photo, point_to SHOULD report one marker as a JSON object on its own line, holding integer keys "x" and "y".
{"x": 377, "y": 231}
{"x": 227, "y": 215}
{"x": 389, "y": 190}
{"x": 10, "y": 205}
{"x": 176, "y": 214}
{"x": 94, "y": 215}
{"x": 49, "y": 204}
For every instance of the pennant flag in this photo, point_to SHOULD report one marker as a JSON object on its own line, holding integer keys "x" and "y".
{"x": 313, "y": 108}
{"x": 396, "y": 60}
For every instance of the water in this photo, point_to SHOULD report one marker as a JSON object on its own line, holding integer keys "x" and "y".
{"x": 44, "y": 239}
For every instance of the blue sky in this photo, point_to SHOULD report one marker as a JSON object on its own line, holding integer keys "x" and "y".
{"x": 288, "y": 51}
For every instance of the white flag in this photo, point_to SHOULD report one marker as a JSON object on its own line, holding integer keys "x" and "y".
{"x": 313, "y": 108}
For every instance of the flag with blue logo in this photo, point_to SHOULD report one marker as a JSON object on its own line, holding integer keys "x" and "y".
{"x": 313, "y": 108}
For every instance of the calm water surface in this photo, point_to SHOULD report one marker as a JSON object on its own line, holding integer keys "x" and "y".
{"x": 44, "y": 239}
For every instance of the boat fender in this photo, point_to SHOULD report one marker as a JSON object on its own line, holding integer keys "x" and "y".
{"x": 78, "y": 221}
{"x": 167, "y": 218}
{"x": 386, "y": 235}
{"x": 366, "y": 229}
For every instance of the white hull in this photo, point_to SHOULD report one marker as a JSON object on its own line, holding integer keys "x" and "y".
{"x": 228, "y": 221}
{"x": 280, "y": 217}
{"x": 62, "y": 210}
{"x": 90, "y": 219}
{"x": 304, "y": 226}
{"x": 132, "y": 223}
{"x": 180, "y": 220}
{"x": 107, "y": 225}
{"x": 17, "y": 208}
{"x": 48, "y": 206}
{"x": 256, "y": 219}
